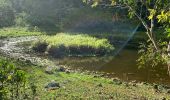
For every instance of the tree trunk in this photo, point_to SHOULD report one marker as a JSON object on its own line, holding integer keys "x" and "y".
{"x": 152, "y": 35}
{"x": 168, "y": 62}
{"x": 153, "y": 39}
{"x": 168, "y": 49}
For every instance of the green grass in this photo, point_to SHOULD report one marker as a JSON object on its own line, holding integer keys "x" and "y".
{"x": 81, "y": 86}
{"x": 71, "y": 44}
{"x": 16, "y": 32}
{"x": 76, "y": 40}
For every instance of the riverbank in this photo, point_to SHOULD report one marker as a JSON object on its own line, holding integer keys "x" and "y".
{"x": 84, "y": 85}
{"x": 110, "y": 66}
{"x": 75, "y": 85}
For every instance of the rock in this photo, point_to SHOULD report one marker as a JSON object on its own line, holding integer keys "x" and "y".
{"x": 117, "y": 81}
{"x": 49, "y": 70}
{"x": 52, "y": 85}
{"x": 62, "y": 69}
{"x": 1, "y": 44}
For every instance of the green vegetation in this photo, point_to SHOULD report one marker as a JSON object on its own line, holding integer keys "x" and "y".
{"x": 18, "y": 31}
{"x": 12, "y": 80}
{"x": 76, "y": 85}
{"x": 22, "y": 80}
{"x": 72, "y": 44}
{"x": 53, "y": 16}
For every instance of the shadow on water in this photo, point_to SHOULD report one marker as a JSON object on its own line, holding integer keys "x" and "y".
{"x": 123, "y": 66}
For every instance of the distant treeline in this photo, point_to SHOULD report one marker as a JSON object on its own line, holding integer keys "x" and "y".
{"x": 53, "y": 14}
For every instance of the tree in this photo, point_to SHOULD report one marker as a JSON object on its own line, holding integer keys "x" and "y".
{"x": 6, "y": 14}
{"x": 148, "y": 12}
{"x": 151, "y": 13}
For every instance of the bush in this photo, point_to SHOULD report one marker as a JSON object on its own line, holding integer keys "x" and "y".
{"x": 40, "y": 47}
{"x": 77, "y": 44}
{"x": 15, "y": 84}
{"x": 12, "y": 81}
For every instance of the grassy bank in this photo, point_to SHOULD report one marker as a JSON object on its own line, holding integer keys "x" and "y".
{"x": 73, "y": 45}
{"x": 18, "y": 31}
{"x": 75, "y": 85}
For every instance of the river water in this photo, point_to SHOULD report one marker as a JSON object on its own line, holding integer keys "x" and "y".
{"x": 122, "y": 66}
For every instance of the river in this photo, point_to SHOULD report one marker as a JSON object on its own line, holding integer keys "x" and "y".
{"x": 122, "y": 66}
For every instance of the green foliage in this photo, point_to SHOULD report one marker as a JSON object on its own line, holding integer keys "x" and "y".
{"x": 75, "y": 44}
{"x": 151, "y": 58}
{"x": 148, "y": 12}
{"x": 12, "y": 81}
{"x": 157, "y": 8}
{"x": 164, "y": 16}
{"x": 168, "y": 32}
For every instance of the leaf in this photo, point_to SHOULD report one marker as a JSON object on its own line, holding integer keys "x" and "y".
{"x": 152, "y": 13}
{"x": 9, "y": 77}
{"x": 164, "y": 16}
{"x": 113, "y": 3}
{"x": 95, "y": 4}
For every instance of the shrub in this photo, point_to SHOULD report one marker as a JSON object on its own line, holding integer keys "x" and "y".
{"x": 15, "y": 84}
{"x": 40, "y": 47}
{"x": 12, "y": 81}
